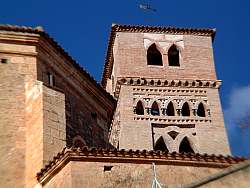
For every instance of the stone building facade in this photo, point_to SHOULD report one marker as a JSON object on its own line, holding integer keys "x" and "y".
{"x": 165, "y": 100}
{"x": 158, "y": 103}
{"x": 47, "y": 101}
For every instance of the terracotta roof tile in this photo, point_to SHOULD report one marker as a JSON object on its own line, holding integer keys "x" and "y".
{"x": 152, "y": 29}
{"x": 99, "y": 154}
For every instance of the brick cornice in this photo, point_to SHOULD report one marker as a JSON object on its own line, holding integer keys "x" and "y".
{"x": 145, "y": 29}
{"x": 86, "y": 154}
{"x": 161, "y": 82}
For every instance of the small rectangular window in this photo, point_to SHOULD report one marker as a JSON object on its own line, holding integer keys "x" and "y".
{"x": 4, "y": 61}
{"x": 107, "y": 168}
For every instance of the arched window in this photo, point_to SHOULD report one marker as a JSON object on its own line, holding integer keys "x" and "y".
{"x": 201, "y": 110}
{"x": 160, "y": 145}
{"x": 185, "y": 146}
{"x": 139, "y": 110}
{"x": 154, "y": 56}
{"x": 185, "y": 111}
{"x": 170, "y": 109}
{"x": 173, "y": 56}
{"x": 155, "y": 109}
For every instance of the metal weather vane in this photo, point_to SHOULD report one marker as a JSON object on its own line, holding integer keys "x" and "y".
{"x": 146, "y": 7}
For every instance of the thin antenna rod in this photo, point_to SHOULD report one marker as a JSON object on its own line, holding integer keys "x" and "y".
{"x": 155, "y": 183}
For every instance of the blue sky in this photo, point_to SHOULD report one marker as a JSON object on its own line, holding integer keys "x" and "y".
{"x": 82, "y": 29}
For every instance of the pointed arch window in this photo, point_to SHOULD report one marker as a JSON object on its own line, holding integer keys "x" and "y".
{"x": 160, "y": 145}
{"x": 155, "y": 109}
{"x": 154, "y": 57}
{"x": 139, "y": 110}
{"x": 173, "y": 56}
{"x": 185, "y": 111}
{"x": 201, "y": 110}
{"x": 170, "y": 109}
{"x": 185, "y": 146}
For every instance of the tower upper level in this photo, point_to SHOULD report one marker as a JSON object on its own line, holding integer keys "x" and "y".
{"x": 159, "y": 52}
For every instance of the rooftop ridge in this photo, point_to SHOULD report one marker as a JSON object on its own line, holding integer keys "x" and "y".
{"x": 39, "y": 30}
{"x": 164, "y": 29}
{"x": 85, "y": 153}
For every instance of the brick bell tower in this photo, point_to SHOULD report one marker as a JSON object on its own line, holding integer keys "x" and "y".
{"x": 166, "y": 87}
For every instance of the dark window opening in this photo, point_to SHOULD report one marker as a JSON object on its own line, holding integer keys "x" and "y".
{"x": 139, "y": 110}
{"x": 170, "y": 109}
{"x": 51, "y": 79}
{"x": 4, "y": 61}
{"x": 155, "y": 109}
{"x": 107, "y": 168}
{"x": 160, "y": 145}
{"x": 94, "y": 115}
{"x": 201, "y": 110}
{"x": 185, "y": 110}
{"x": 185, "y": 146}
{"x": 173, "y": 56}
{"x": 154, "y": 56}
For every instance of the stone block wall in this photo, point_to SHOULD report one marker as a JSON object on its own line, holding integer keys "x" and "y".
{"x": 34, "y": 147}
{"x": 20, "y": 67}
{"x": 54, "y": 126}
{"x": 44, "y": 119}
{"x": 38, "y": 120}
{"x": 92, "y": 174}
{"x": 87, "y": 111}
{"x": 236, "y": 178}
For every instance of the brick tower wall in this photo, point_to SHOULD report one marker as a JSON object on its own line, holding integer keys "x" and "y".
{"x": 130, "y": 58}
{"x": 205, "y": 134}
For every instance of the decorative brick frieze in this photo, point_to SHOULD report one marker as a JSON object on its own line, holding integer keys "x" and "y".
{"x": 169, "y": 83}
{"x": 170, "y": 90}
{"x": 164, "y": 85}
{"x": 172, "y": 120}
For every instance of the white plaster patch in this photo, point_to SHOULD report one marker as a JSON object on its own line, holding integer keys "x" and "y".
{"x": 163, "y": 40}
{"x": 173, "y": 37}
{"x": 147, "y": 43}
{"x": 35, "y": 91}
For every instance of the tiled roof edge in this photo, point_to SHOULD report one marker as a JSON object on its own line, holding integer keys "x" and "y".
{"x": 139, "y": 28}
{"x": 213, "y": 177}
{"x": 93, "y": 153}
{"x": 160, "y": 29}
{"x": 39, "y": 30}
